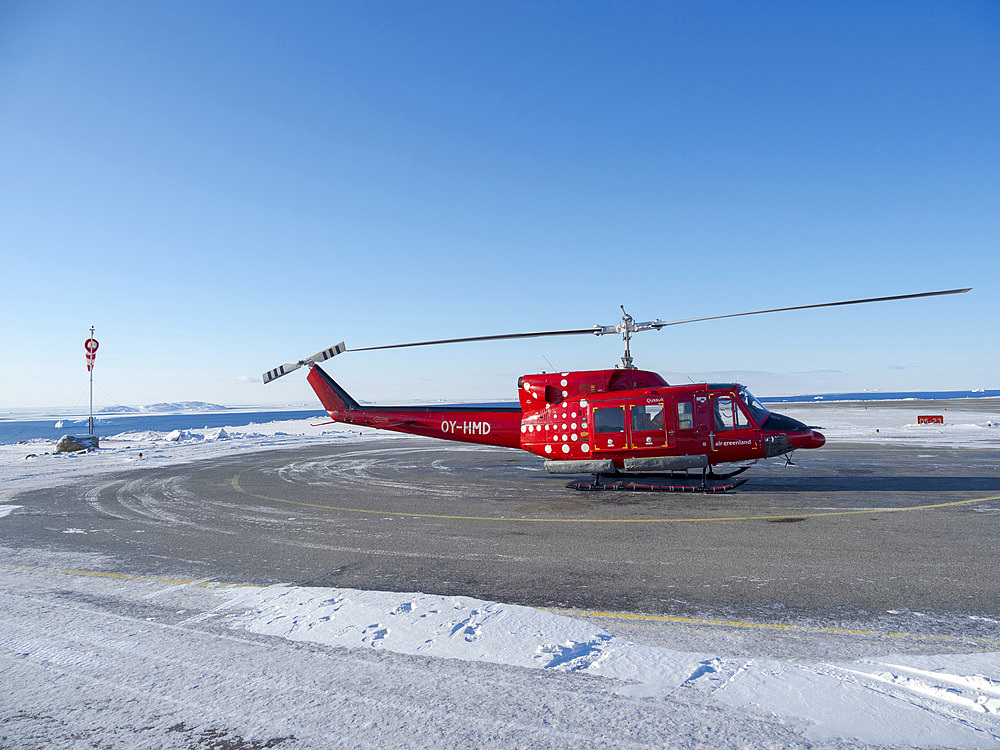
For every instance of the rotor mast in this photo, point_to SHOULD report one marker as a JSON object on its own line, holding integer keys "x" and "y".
{"x": 626, "y": 327}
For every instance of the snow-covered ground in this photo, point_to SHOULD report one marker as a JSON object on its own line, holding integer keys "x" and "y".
{"x": 97, "y": 658}
{"x": 94, "y": 659}
{"x": 34, "y": 463}
{"x": 973, "y": 423}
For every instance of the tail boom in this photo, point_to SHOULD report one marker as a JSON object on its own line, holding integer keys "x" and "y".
{"x": 500, "y": 426}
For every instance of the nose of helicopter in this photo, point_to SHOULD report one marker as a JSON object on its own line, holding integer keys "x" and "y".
{"x": 812, "y": 439}
{"x": 789, "y": 434}
{"x": 805, "y": 438}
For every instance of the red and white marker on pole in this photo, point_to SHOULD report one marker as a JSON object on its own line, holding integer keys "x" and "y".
{"x": 91, "y": 346}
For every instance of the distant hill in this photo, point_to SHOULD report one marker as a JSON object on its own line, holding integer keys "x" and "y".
{"x": 174, "y": 406}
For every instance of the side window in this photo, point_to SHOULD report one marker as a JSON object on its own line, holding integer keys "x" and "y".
{"x": 609, "y": 420}
{"x": 724, "y": 413}
{"x": 685, "y": 419}
{"x": 647, "y": 418}
{"x": 728, "y": 415}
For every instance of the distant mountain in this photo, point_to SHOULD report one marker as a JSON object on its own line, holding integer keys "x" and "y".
{"x": 176, "y": 406}
{"x": 184, "y": 406}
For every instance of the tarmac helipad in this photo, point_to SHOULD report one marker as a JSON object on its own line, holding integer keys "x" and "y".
{"x": 850, "y": 532}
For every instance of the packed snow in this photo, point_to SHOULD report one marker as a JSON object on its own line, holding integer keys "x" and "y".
{"x": 899, "y": 700}
{"x": 34, "y": 463}
{"x": 975, "y": 424}
{"x": 89, "y": 654}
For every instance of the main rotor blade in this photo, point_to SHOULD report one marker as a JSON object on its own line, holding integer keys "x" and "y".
{"x": 497, "y": 337}
{"x": 662, "y": 324}
{"x": 626, "y": 326}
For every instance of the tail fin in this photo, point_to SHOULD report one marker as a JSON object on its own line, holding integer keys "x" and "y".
{"x": 331, "y": 395}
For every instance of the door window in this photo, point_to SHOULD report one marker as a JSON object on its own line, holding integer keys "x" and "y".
{"x": 609, "y": 420}
{"x": 647, "y": 418}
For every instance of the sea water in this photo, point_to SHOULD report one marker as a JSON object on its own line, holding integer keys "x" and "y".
{"x": 13, "y": 430}
{"x": 884, "y": 396}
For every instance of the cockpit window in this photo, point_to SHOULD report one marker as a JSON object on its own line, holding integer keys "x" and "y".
{"x": 757, "y": 410}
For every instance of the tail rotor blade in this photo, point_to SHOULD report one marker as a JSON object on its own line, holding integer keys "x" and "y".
{"x": 288, "y": 367}
{"x": 284, "y": 369}
{"x": 324, "y": 355}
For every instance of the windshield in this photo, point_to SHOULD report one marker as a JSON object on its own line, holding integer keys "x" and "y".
{"x": 757, "y": 410}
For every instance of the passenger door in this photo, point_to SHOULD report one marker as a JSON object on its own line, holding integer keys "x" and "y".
{"x": 691, "y": 413}
{"x": 647, "y": 424}
{"x": 608, "y": 422}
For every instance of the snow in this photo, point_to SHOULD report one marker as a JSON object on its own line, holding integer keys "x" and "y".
{"x": 87, "y": 654}
{"x": 95, "y": 653}
{"x": 180, "y": 406}
{"x": 965, "y": 426}
{"x": 34, "y": 463}
{"x": 457, "y": 627}
{"x": 881, "y": 701}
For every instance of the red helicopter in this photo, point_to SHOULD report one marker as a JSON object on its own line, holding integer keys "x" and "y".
{"x": 627, "y": 427}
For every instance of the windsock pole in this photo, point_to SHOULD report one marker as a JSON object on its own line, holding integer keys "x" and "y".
{"x": 90, "y": 421}
{"x": 91, "y": 346}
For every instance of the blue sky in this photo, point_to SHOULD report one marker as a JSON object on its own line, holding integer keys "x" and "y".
{"x": 223, "y": 187}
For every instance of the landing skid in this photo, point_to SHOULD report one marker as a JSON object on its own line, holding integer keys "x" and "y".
{"x": 656, "y": 483}
{"x": 712, "y": 475}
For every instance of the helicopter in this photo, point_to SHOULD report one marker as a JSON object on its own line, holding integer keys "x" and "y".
{"x": 626, "y": 427}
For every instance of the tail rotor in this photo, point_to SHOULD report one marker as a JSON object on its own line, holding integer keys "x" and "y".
{"x": 288, "y": 367}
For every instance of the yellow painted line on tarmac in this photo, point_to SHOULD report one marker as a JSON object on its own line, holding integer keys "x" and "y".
{"x": 369, "y": 511}
{"x": 769, "y": 626}
{"x": 129, "y": 576}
